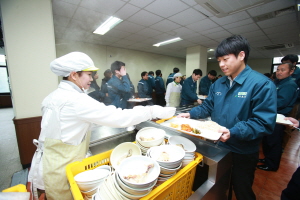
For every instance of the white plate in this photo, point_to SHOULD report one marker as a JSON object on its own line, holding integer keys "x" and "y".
{"x": 139, "y": 100}
{"x": 202, "y": 96}
{"x": 208, "y": 134}
{"x": 188, "y": 145}
{"x": 280, "y": 120}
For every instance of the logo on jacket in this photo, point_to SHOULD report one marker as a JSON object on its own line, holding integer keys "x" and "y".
{"x": 241, "y": 95}
{"x": 218, "y": 93}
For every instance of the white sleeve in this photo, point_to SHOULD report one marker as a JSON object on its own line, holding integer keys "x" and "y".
{"x": 168, "y": 92}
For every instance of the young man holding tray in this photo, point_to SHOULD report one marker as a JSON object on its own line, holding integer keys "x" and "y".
{"x": 243, "y": 101}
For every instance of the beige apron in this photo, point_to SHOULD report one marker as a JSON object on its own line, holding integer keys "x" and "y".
{"x": 174, "y": 100}
{"x": 57, "y": 155}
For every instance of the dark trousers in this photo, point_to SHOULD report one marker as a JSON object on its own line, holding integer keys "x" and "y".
{"x": 160, "y": 99}
{"x": 292, "y": 192}
{"x": 242, "y": 176}
{"x": 272, "y": 147}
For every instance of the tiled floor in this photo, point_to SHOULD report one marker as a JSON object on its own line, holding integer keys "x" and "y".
{"x": 267, "y": 185}
{"x": 9, "y": 152}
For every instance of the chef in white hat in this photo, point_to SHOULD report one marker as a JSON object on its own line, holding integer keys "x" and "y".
{"x": 68, "y": 114}
{"x": 173, "y": 91}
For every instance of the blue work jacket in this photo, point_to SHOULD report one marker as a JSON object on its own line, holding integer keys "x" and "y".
{"x": 159, "y": 85}
{"x": 287, "y": 92}
{"x": 296, "y": 77}
{"x": 143, "y": 89}
{"x": 248, "y": 109}
{"x": 151, "y": 84}
{"x": 170, "y": 79}
{"x": 117, "y": 89}
{"x": 188, "y": 92}
{"x": 204, "y": 85}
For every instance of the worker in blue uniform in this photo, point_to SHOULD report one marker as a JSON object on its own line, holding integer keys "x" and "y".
{"x": 206, "y": 82}
{"x": 151, "y": 82}
{"x": 170, "y": 78}
{"x": 118, "y": 85}
{"x": 287, "y": 92}
{"x": 160, "y": 89}
{"x": 243, "y": 101}
{"x": 189, "y": 87}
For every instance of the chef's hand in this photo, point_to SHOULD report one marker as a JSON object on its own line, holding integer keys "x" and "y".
{"x": 294, "y": 121}
{"x": 226, "y": 134}
{"x": 184, "y": 115}
{"x": 199, "y": 101}
{"x": 162, "y": 112}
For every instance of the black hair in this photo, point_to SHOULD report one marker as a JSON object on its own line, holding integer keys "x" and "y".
{"x": 151, "y": 73}
{"x": 268, "y": 75}
{"x": 213, "y": 72}
{"x": 175, "y": 70}
{"x": 291, "y": 57}
{"x": 116, "y": 66}
{"x": 233, "y": 45}
{"x": 197, "y": 72}
{"x": 106, "y": 72}
{"x": 143, "y": 73}
{"x": 158, "y": 72}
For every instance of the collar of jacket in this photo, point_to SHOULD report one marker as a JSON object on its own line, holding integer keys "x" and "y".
{"x": 279, "y": 82}
{"x": 241, "y": 77}
{"x": 73, "y": 85}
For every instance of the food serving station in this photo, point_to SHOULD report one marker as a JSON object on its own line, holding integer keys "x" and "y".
{"x": 212, "y": 175}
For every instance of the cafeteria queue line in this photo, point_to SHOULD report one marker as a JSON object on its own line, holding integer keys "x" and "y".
{"x": 246, "y": 119}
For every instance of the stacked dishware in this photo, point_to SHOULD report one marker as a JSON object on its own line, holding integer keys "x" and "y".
{"x": 187, "y": 145}
{"x": 150, "y": 137}
{"x": 169, "y": 158}
{"x": 134, "y": 178}
{"x": 89, "y": 181}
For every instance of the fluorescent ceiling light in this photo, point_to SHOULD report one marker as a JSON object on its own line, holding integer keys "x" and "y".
{"x": 168, "y": 42}
{"x": 107, "y": 25}
{"x": 211, "y": 50}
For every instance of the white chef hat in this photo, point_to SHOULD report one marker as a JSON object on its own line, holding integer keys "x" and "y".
{"x": 177, "y": 75}
{"x": 72, "y": 62}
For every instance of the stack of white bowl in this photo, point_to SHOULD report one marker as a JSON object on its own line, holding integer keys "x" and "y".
{"x": 188, "y": 146}
{"x": 152, "y": 137}
{"x": 170, "y": 167}
{"x": 89, "y": 181}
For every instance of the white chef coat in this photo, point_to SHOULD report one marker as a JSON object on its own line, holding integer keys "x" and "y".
{"x": 172, "y": 88}
{"x": 77, "y": 112}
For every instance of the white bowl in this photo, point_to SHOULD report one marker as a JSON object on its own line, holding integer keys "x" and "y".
{"x": 165, "y": 170}
{"x": 130, "y": 190}
{"x": 90, "y": 192}
{"x": 138, "y": 165}
{"x": 121, "y": 152}
{"x": 89, "y": 186}
{"x": 174, "y": 153}
{"x": 106, "y": 167}
{"x": 147, "y": 133}
{"x": 91, "y": 175}
{"x": 188, "y": 145}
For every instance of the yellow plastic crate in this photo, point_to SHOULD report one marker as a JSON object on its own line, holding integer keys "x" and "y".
{"x": 179, "y": 187}
{"x": 16, "y": 188}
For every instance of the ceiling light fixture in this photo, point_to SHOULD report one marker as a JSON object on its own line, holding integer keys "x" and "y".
{"x": 107, "y": 25}
{"x": 168, "y": 42}
{"x": 211, "y": 50}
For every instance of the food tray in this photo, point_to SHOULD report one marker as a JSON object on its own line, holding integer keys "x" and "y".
{"x": 178, "y": 187}
{"x": 139, "y": 100}
{"x": 16, "y": 188}
{"x": 280, "y": 120}
{"x": 202, "y": 97}
{"x": 208, "y": 134}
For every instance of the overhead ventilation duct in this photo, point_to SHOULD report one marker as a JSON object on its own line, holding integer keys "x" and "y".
{"x": 273, "y": 14}
{"x": 222, "y": 8}
{"x": 277, "y": 46}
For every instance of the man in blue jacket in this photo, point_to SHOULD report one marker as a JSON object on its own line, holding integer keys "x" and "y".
{"x": 170, "y": 78}
{"x": 243, "y": 101}
{"x": 287, "y": 91}
{"x": 189, "y": 87}
{"x": 206, "y": 82}
{"x": 143, "y": 89}
{"x": 151, "y": 82}
{"x": 160, "y": 89}
{"x": 118, "y": 85}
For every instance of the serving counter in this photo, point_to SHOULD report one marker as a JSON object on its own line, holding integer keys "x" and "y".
{"x": 212, "y": 175}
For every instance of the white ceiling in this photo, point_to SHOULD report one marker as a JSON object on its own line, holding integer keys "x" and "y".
{"x": 147, "y": 22}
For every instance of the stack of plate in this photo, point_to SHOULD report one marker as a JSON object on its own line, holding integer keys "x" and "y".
{"x": 89, "y": 181}
{"x": 169, "y": 157}
{"x": 149, "y": 137}
{"x": 188, "y": 146}
{"x": 134, "y": 178}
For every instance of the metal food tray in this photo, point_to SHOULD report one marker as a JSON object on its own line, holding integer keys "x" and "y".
{"x": 205, "y": 133}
